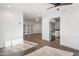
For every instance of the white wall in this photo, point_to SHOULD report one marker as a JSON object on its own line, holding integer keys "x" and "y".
{"x": 45, "y": 23}
{"x": 70, "y": 27}
{"x": 36, "y": 27}
{"x": 45, "y": 29}
{"x": 11, "y": 24}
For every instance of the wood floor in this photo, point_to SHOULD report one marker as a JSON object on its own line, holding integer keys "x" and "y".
{"x": 36, "y": 38}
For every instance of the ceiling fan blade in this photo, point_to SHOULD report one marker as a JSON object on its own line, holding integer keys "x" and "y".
{"x": 58, "y": 4}
{"x": 50, "y": 7}
{"x": 62, "y": 4}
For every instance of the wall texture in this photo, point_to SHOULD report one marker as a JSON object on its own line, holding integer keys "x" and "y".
{"x": 70, "y": 27}
{"x": 37, "y": 28}
{"x": 11, "y": 23}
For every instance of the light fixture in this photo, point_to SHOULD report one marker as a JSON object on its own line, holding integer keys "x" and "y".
{"x": 57, "y": 8}
{"x": 9, "y": 6}
{"x": 37, "y": 20}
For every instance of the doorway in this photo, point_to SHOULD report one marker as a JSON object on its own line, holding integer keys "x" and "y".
{"x": 54, "y": 29}
{"x": 32, "y": 28}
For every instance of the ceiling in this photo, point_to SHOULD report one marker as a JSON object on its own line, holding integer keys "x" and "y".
{"x": 31, "y": 10}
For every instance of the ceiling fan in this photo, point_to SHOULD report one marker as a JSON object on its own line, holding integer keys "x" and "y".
{"x": 58, "y": 4}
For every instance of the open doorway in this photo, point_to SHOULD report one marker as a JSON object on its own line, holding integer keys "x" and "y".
{"x": 32, "y": 28}
{"x": 54, "y": 29}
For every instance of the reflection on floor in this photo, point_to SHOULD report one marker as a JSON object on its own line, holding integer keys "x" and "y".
{"x": 17, "y": 49}
{"x": 35, "y": 38}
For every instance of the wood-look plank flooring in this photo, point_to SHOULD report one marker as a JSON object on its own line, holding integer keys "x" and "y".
{"x": 36, "y": 38}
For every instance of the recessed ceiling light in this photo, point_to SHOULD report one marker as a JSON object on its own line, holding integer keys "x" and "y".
{"x": 9, "y": 6}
